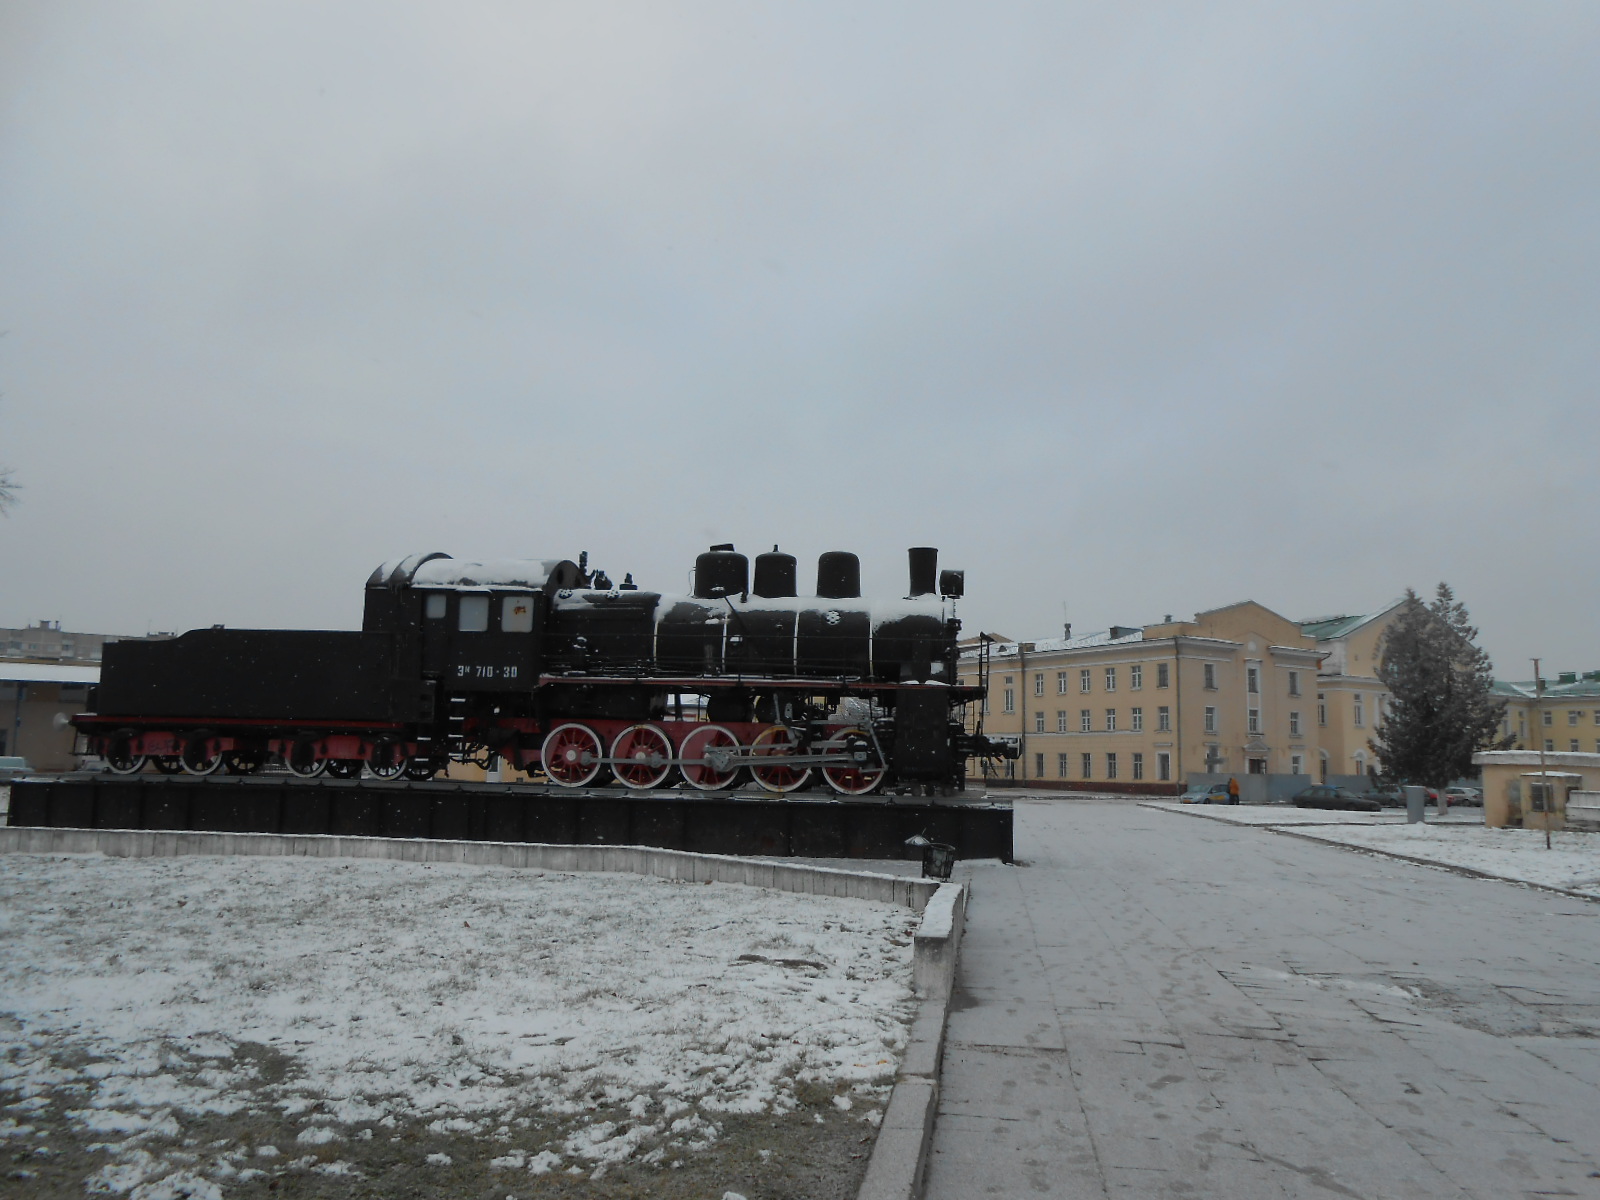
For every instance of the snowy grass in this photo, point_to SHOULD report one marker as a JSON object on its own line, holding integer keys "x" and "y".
{"x": 1287, "y": 814}
{"x": 1572, "y": 862}
{"x": 352, "y": 996}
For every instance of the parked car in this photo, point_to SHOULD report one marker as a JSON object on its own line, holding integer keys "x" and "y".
{"x": 1211, "y": 793}
{"x": 1324, "y": 795}
{"x": 1464, "y": 795}
{"x": 1388, "y": 795}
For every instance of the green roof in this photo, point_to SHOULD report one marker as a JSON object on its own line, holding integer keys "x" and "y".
{"x": 1580, "y": 688}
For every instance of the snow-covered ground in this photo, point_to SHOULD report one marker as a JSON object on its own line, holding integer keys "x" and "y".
{"x": 1288, "y": 814}
{"x": 352, "y": 996}
{"x": 1572, "y": 862}
{"x": 1460, "y": 840}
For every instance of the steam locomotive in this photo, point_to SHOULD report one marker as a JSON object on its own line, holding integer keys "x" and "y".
{"x": 551, "y": 668}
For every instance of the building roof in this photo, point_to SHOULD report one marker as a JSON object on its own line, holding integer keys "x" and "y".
{"x": 34, "y": 672}
{"x": 1055, "y": 645}
{"x": 1327, "y": 628}
{"x": 1585, "y": 686}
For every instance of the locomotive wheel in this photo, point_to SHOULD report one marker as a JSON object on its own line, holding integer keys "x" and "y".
{"x": 166, "y": 764}
{"x": 852, "y": 780}
{"x": 344, "y": 768}
{"x": 197, "y": 757}
{"x": 120, "y": 758}
{"x": 571, "y": 755}
{"x": 386, "y": 761}
{"x": 700, "y": 773}
{"x": 777, "y": 742}
{"x": 648, "y": 751}
{"x": 302, "y": 762}
{"x": 420, "y": 769}
{"x": 243, "y": 762}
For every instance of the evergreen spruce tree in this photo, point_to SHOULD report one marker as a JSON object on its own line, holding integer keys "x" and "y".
{"x": 1442, "y": 709}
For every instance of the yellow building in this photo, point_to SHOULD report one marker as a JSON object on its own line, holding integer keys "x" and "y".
{"x": 1566, "y": 719}
{"x": 1350, "y": 699}
{"x": 1137, "y": 710}
{"x": 1557, "y": 790}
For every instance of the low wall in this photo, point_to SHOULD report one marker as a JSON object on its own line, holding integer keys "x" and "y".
{"x": 907, "y": 891}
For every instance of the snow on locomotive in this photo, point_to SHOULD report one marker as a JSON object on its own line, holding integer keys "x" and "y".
{"x": 554, "y": 670}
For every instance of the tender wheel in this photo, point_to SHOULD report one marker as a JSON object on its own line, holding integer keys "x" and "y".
{"x": 571, "y": 755}
{"x": 243, "y": 762}
{"x": 166, "y": 764}
{"x": 345, "y": 768}
{"x": 420, "y": 769}
{"x": 198, "y": 758}
{"x": 302, "y": 760}
{"x": 120, "y": 758}
{"x": 777, "y": 742}
{"x": 853, "y": 779}
{"x": 647, "y": 752}
{"x": 697, "y": 751}
{"x": 386, "y": 760}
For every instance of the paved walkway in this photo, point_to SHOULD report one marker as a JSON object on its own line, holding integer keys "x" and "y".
{"x": 1158, "y": 1006}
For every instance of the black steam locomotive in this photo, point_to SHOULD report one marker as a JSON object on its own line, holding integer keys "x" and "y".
{"x": 553, "y": 669}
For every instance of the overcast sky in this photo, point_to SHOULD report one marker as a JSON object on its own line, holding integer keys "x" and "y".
{"x": 1131, "y": 309}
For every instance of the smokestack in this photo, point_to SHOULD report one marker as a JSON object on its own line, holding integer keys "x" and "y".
{"x": 924, "y": 569}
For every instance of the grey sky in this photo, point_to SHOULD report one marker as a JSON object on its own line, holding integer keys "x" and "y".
{"x": 1137, "y": 308}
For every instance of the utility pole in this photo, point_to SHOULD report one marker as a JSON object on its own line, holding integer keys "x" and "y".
{"x": 1538, "y": 727}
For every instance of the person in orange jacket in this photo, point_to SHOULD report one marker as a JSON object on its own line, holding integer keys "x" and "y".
{"x": 1233, "y": 789}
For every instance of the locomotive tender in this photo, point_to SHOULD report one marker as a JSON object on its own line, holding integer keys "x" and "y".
{"x": 551, "y": 668}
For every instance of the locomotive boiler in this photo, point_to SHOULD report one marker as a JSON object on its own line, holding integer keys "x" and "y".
{"x": 552, "y": 669}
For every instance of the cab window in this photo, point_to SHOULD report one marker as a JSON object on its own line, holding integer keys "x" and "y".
{"x": 516, "y": 614}
{"x": 474, "y": 614}
{"x": 433, "y": 607}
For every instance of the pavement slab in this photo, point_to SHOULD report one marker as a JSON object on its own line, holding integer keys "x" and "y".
{"x": 1154, "y": 1007}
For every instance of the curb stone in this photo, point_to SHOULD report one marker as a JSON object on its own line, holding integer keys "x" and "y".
{"x": 899, "y": 1160}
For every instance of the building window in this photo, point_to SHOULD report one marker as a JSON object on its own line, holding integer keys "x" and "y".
{"x": 1111, "y": 679}
{"x": 1360, "y": 709}
{"x": 1038, "y": 684}
{"x": 1038, "y": 766}
{"x": 1572, "y": 716}
{"x": 1111, "y": 765}
{"x": 1253, "y": 720}
{"x": 1252, "y": 679}
{"x": 1087, "y": 766}
{"x": 1038, "y": 721}
{"x": 1294, "y": 727}
{"x": 1136, "y": 676}
{"x": 1210, "y": 677}
{"x": 1138, "y": 765}
{"x": 1549, "y": 743}
{"x": 1294, "y": 683}
{"x": 1161, "y": 675}
{"x": 1111, "y": 720}
{"x": 986, "y": 706}
{"x": 1086, "y": 721}
{"x": 1322, "y": 708}
{"x": 1061, "y": 683}
{"x": 1061, "y": 720}
{"x": 1549, "y": 717}
{"x": 1011, "y": 768}
{"x": 1061, "y": 766}
{"x": 1085, "y": 679}
{"x": 1211, "y": 719}
{"x": 1011, "y": 700}
{"x": 1136, "y": 720}
{"x": 1597, "y": 716}
{"x": 1295, "y": 765}
{"x": 1574, "y": 745}
{"x": 1164, "y": 719}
